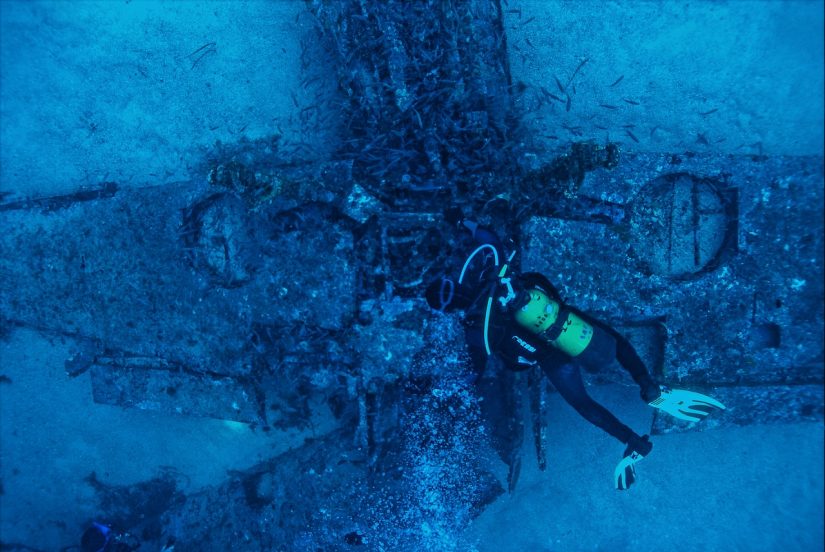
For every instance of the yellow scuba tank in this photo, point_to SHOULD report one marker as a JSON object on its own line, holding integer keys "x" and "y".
{"x": 540, "y": 315}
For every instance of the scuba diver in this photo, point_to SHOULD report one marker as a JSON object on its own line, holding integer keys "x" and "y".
{"x": 522, "y": 320}
{"x": 99, "y": 537}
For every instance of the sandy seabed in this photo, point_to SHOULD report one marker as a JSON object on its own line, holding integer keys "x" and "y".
{"x": 750, "y": 488}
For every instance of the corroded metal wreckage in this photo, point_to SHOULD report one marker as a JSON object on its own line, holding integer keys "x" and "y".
{"x": 279, "y": 293}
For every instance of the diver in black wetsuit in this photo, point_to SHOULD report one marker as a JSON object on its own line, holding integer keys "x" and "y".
{"x": 522, "y": 320}
{"x": 99, "y": 537}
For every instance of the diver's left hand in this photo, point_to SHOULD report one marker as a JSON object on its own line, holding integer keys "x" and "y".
{"x": 625, "y": 473}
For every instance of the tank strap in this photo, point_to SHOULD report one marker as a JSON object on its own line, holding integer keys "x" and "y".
{"x": 554, "y": 331}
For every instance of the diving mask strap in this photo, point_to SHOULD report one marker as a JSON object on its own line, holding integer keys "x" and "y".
{"x": 447, "y": 286}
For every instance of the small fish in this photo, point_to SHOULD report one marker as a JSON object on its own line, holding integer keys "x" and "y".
{"x": 550, "y": 94}
{"x": 558, "y": 83}
{"x": 632, "y": 136}
{"x": 204, "y": 47}
{"x": 418, "y": 118}
{"x": 653, "y": 130}
{"x": 706, "y": 113}
{"x": 526, "y": 21}
{"x": 575, "y": 131}
{"x": 617, "y": 81}
{"x": 203, "y": 55}
{"x": 585, "y": 60}
{"x": 628, "y": 126}
{"x": 567, "y": 107}
{"x": 309, "y": 80}
{"x": 608, "y": 106}
{"x": 631, "y": 102}
{"x": 600, "y": 127}
{"x": 719, "y": 141}
{"x": 702, "y": 139}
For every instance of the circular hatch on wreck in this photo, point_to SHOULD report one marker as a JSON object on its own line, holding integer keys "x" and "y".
{"x": 219, "y": 240}
{"x": 681, "y": 225}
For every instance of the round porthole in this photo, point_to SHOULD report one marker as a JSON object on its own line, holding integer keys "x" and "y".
{"x": 679, "y": 225}
{"x": 216, "y": 235}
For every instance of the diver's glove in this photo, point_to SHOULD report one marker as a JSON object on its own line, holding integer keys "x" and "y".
{"x": 685, "y": 405}
{"x": 650, "y": 391}
{"x": 625, "y": 473}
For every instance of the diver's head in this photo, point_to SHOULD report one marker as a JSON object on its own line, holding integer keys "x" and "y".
{"x": 95, "y": 538}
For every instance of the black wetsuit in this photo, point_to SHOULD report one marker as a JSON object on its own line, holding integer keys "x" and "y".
{"x": 519, "y": 349}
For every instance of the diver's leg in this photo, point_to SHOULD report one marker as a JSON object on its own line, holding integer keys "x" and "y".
{"x": 567, "y": 379}
{"x": 630, "y": 361}
{"x": 624, "y": 353}
{"x": 502, "y": 414}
